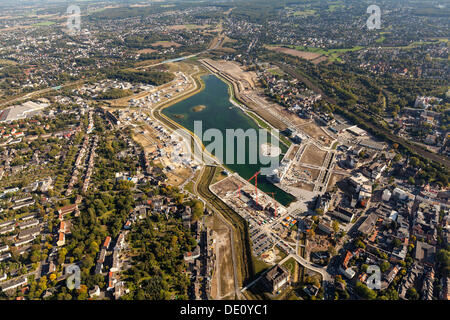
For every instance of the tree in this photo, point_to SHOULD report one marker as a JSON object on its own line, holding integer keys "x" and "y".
{"x": 385, "y": 265}
{"x": 197, "y": 210}
{"x": 52, "y": 277}
{"x": 412, "y": 294}
{"x": 397, "y": 243}
{"x": 360, "y": 244}
{"x": 414, "y": 161}
{"x": 335, "y": 226}
{"x": 443, "y": 259}
{"x": 331, "y": 250}
{"x": 364, "y": 292}
{"x": 62, "y": 255}
{"x": 43, "y": 283}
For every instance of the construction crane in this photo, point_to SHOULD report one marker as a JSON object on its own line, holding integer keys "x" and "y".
{"x": 256, "y": 186}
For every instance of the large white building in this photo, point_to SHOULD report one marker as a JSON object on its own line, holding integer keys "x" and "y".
{"x": 386, "y": 195}
{"x": 22, "y": 111}
{"x": 400, "y": 194}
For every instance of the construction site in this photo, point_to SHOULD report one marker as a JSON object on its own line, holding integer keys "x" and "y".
{"x": 258, "y": 208}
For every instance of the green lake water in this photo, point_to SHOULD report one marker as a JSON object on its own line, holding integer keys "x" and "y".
{"x": 218, "y": 112}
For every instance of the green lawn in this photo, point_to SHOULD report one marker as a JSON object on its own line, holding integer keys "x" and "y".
{"x": 189, "y": 187}
{"x": 290, "y": 265}
{"x": 334, "y": 7}
{"x": 380, "y": 39}
{"x": 331, "y": 54}
{"x": 282, "y": 254}
{"x": 44, "y": 24}
{"x": 305, "y": 13}
{"x": 276, "y": 72}
{"x": 259, "y": 265}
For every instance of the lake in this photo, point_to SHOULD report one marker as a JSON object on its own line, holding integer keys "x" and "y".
{"x": 212, "y": 106}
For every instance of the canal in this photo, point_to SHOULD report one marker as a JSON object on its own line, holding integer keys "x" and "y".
{"x": 212, "y": 106}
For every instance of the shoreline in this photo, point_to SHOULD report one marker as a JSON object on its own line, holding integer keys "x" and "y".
{"x": 234, "y": 103}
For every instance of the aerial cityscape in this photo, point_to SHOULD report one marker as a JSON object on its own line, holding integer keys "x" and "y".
{"x": 250, "y": 150}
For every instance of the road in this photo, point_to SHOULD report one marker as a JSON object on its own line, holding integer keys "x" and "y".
{"x": 326, "y": 276}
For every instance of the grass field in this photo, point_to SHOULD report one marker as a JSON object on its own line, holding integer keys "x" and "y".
{"x": 44, "y": 24}
{"x": 260, "y": 266}
{"x": 305, "y": 13}
{"x": 331, "y": 54}
{"x": 334, "y": 7}
{"x": 290, "y": 265}
{"x": 189, "y": 187}
{"x": 6, "y": 62}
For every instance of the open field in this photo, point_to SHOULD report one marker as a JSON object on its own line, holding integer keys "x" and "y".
{"x": 222, "y": 281}
{"x": 178, "y": 176}
{"x": 291, "y": 117}
{"x": 188, "y": 27}
{"x": 304, "y": 186}
{"x": 316, "y": 132}
{"x": 219, "y": 176}
{"x": 292, "y": 265}
{"x": 147, "y": 144}
{"x": 330, "y": 54}
{"x": 266, "y": 115}
{"x": 246, "y": 78}
{"x": 307, "y": 173}
{"x": 296, "y": 53}
{"x": 44, "y": 24}
{"x": 313, "y": 155}
{"x": 292, "y": 152}
{"x": 148, "y": 50}
{"x": 166, "y": 44}
{"x": 6, "y": 62}
{"x": 305, "y": 13}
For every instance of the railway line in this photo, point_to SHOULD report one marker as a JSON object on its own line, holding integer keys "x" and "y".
{"x": 422, "y": 152}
